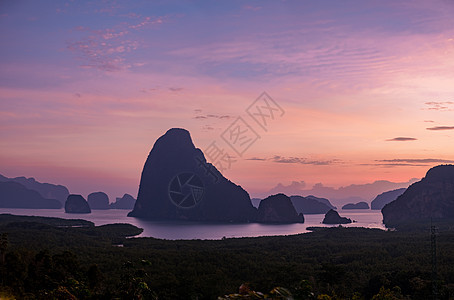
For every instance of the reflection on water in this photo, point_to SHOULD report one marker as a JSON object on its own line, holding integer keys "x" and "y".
{"x": 196, "y": 230}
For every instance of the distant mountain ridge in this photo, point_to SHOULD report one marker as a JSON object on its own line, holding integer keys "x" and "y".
{"x": 15, "y": 195}
{"x": 384, "y": 198}
{"x": 46, "y": 190}
{"x": 352, "y": 193}
{"x": 311, "y": 205}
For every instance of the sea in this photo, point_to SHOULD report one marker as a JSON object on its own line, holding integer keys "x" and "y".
{"x": 183, "y": 230}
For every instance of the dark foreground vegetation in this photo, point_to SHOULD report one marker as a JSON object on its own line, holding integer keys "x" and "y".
{"x": 43, "y": 258}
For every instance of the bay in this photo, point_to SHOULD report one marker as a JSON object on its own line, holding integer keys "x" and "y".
{"x": 176, "y": 230}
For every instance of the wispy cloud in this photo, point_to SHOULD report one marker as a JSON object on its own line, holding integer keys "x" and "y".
{"x": 201, "y": 116}
{"x": 440, "y": 105}
{"x": 413, "y": 161}
{"x": 253, "y": 8}
{"x": 175, "y": 89}
{"x": 106, "y": 49}
{"x": 257, "y": 158}
{"x": 441, "y": 128}
{"x": 297, "y": 160}
{"x": 402, "y": 139}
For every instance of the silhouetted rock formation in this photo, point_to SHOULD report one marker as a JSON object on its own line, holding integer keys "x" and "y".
{"x": 359, "y": 205}
{"x": 46, "y": 190}
{"x": 15, "y": 195}
{"x": 384, "y": 198}
{"x": 432, "y": 197}
{"x": 76, "y": 204}
{"x": 332, "y": 217}
{"x": 178, "y": 184}
{"x": 98, "y": 200}
{"x": 278, "y": 209}
{"x": 322, "y": 200}
{"x": 125, "y": 202}
{"x": 309, "y": 205}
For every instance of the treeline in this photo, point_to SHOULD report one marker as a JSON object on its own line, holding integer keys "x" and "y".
{"x": 57, "y": 261}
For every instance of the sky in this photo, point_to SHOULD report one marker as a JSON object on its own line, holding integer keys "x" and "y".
{"x": 355, "y": 91}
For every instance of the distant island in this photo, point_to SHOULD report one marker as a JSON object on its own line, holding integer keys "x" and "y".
{"x": 384, "y": 198}
{"x": 76, "y": 204}
{"x": 125, "y": 202}
{"x": 305, "y": 205}
{"x": 15, "y": 195}
{"x": 278, "y": 209}
{"x": 29, "y": 193}
{"x": 22, "y": 192}
{"x": 311, "y": 204}
{"x": 98, "y": 200}
{"x": 359, "y": 205}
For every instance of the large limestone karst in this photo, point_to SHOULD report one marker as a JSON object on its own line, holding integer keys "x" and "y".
{"x": 430, "y": 198}
{"x": 178, "y": 184}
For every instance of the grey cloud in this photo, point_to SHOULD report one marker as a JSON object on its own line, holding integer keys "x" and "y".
{"x": 401, "y": 139}
{"x": 441, "y": 128}
{"x": 296, "y": 160}
{"x": 175, "y": 89}
{"x": 411, "y": 161}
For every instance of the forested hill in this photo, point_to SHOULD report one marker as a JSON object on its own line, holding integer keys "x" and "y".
{"x": 45, "y": 261}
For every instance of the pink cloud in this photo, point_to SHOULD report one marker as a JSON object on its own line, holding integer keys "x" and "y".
{"x": 105, "y": 49}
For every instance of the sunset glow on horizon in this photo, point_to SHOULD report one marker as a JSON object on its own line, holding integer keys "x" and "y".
{"x": 86, "y": 88}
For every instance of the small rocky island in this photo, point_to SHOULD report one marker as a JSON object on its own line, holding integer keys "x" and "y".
{"x": 332, "y": 217}
{"x": 76, "y": 204}
{"x": 278, "y": 209}
{"x": 125, "y": 202}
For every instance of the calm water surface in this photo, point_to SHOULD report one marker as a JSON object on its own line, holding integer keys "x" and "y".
{"x": 196, "y": 230}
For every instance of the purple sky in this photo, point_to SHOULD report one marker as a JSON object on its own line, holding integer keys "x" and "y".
{"x": 86, "y": 87}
